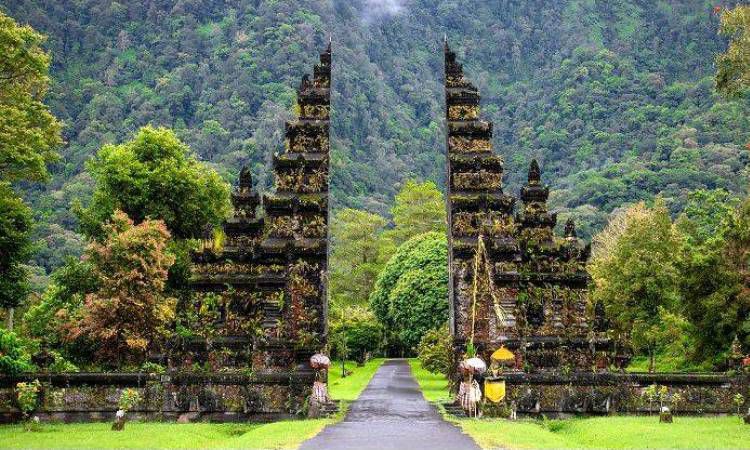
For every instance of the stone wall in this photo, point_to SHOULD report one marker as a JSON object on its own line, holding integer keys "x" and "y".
{"x": 186, "y": 397}
{"x": 605, "y": 393}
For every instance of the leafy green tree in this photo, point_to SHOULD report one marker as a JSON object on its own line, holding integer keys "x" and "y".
{"x": 359, "y": 250}
{"x": 13, "y": 357}
{"x": 667, "y": 337}
{"x": 154, "y": 176}
{"x": 29, "y": 133}
{"x": 635, "y": 273}
{"x": 705, "y": 215}
{"x": 360, "y": 331}
{"x": 715, "y": 284}
{"x": 733, "y": 66}
{"x": 15, "y": 250}
{"x": 418, "y": 208}
{"x": 70, "y": 283}
{"x": 411, "y": 293}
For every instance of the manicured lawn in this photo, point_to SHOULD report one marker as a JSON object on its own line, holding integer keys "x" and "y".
{"x": 592, "y": 432}
{"x": 349, "y": 388}
{"x": 280, "y": 435}
{"x": 287, "y": 434}
{"x": 434, "y": 386}
{"x": 610, "y": 432}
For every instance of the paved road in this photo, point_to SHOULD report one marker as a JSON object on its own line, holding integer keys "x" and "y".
{"x": 391, "y": 414}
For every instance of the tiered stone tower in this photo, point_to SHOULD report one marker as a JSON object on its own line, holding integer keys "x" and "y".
{"x": 297, "y": 214}
{"x": 512, "y": 281}
{"x": 260, "y": 298}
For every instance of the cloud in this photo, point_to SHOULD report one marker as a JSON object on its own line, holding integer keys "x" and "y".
{"x": 375, "y": 9}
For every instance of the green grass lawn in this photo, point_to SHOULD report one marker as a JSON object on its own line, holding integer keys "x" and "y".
{"x": 592, "y": 432}
{"x": 348, "y": 389}
{"x": 610, "y": 432}
{"x": 287, "y": 434}
{"x": 434, "y": 386}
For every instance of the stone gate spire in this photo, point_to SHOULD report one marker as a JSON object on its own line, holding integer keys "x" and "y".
{"x": 477, "y": 206}
{"x": 531, "y": 296}
{"x": 267, "y": 278}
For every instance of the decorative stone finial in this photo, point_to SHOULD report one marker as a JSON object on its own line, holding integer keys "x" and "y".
{"x": 735, "y": 351}
{"x": 570, "y": 228}
{"x": 535, "y": 175}
{"x": 246, "y": 178}
{"x": 304, "y": 83}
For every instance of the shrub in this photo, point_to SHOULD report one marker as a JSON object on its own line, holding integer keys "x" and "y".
{"x": 129, "y": 398}
{"x": 60, "y": 364}
{"x": 13, "y": 358}
{"x": 27, "y": 394}
{"x": 435, "y": 350}
{"x": 360, "y": 331}
{"x": 411, "y": 294}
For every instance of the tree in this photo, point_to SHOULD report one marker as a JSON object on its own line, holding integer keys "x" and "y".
{"x": 127, "y": 316}
{"x": 13, "y": 358}
{"x": 411, "y": 293}
{"x": 705, "y": 214}
{"x": 358, "y": 253}
{"x": 634, "y": 269}
{"x": 154, "y": 176}
{"x": 418, "y": 208}
{"x": 64, "y": 296}
{"x": 29, "y": 133}
{"x": 357, "y": 333}
{"x": 716, "y": 284}
{"x": 15, "y": 250}
{"x": 733, "y": 66}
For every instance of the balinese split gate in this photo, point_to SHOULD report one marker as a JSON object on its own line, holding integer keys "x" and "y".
{"x": 518, "y": 298}
{"x": 519, "y": 294}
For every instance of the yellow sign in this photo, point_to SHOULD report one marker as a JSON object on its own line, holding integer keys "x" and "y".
{"x": 494, "y": 390}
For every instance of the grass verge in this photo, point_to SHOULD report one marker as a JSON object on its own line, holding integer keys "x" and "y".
{"x": 347, "y": 389}
{"x": 288, "y": 434}
{"x": 591, "y": 432}
{"x": 434, "y": 386}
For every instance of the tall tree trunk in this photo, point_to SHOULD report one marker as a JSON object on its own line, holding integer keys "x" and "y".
{"x": 651, "y": 361}
{"x": 9, "y": 320}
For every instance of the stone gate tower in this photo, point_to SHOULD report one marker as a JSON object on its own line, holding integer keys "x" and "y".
{"x": 260, "y": 299}
{"x": 512, "y": 281}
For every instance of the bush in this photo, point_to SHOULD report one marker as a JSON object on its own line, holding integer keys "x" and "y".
{"x": 360, "y": 331}
{"x": 60, "y": 364}
{"x": 436, "y": 351}
{"x": 13, "y": 357}
{"x": 128, "y": 400}
{"x": 411, "y": 294}
{"x": 27, "y": 395}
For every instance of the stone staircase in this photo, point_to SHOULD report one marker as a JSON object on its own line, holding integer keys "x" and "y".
{"x": 453, "y": 409}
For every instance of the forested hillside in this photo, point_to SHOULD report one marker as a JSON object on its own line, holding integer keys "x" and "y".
{"x": 614, "y": 98}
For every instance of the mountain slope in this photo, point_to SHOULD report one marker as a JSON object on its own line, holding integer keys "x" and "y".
{"x": 615, "y": 98}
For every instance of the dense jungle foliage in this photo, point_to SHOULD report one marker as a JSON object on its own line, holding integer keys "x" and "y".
{"x": 615, "y": 99}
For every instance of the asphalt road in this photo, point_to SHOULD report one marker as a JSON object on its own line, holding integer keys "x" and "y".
{"x": 391, "y": 414}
